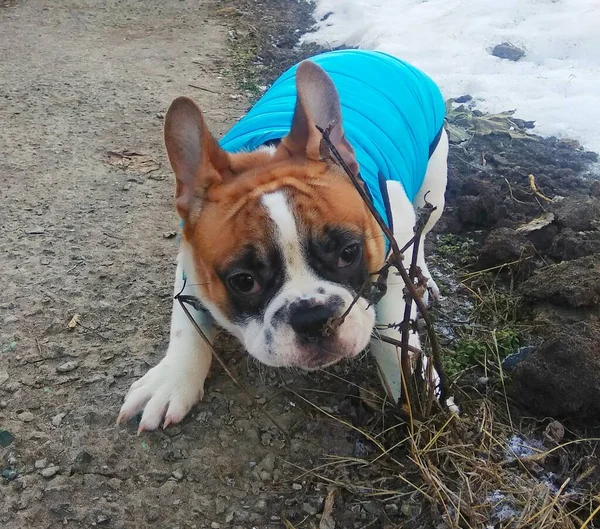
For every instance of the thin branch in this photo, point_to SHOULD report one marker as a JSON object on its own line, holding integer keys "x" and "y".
{"x": 396, "y": 260}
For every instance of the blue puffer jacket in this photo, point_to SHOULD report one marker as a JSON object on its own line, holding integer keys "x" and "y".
{"x": 393, "y": 116}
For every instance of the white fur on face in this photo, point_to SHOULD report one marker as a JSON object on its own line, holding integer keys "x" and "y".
{"x": 271, "y": 339}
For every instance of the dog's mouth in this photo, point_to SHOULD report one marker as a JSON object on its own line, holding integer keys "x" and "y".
{"x": 322, "y": 355}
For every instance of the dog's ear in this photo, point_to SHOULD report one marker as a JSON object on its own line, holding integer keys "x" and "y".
{"x": 195, "y": 155}
{"x": 317, "y": 104}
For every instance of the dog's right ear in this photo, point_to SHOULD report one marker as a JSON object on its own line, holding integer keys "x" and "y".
{"x": 196, "y": 158}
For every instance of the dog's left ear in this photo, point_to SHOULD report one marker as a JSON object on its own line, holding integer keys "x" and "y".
{"x": 317, "y": 104}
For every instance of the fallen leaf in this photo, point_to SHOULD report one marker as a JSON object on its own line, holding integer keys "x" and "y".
{"x": 132, "y": 161}
{"x": 74, "y": 321}
{"x": 555, "y": 431}
{"x": 327, "y": 521}
{"x": 537, "y": 223}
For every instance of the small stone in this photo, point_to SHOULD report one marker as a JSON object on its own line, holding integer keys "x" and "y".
{"x": 261, "y": 506}
{"x": 266, "y": 439}
{"x": 6, "y": 438}
{"x": 268, "y": 463}
{"x": 4, "y": 376}
{"x": 11, "y": 318}
{"x": 482, "y": 382}
{"x": 309, "y": 509}
{"x": 36, "y": 230}
{"x": 114, "y": 484}
{"x": 261, "y": 400}
{"x": 178, "y": 475}
{"x": 509, "y": 51}
{"x": 41, "y": 463}
{"x": 9, "y": 474}
{"x": 82, "y": 461}
{"x": 391, "y": 508}
{"x": 50, "y": 471}
{"x": 297, "y": 486}
{"x": 67, "y": 367}
{"x": 102, "y": 519}
{"x": 169, "y": 234}
{"x": 26, "y": 416}
{"x": 215, "y": 525}
{"x": 3, "y": 404}
{"x": 58, "y": 419}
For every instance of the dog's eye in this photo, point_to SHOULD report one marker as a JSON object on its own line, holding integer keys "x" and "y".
{"x": 244, "y": 283}
{"x": 348, "y": 255}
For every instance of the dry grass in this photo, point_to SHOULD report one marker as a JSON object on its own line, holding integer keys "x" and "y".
{"x": 475, "y": 470}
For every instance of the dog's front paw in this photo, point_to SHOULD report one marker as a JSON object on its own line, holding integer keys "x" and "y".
{"x": 166, "y": 394}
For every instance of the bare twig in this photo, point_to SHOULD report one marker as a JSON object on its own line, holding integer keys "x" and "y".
{"x": 396, "y": 260}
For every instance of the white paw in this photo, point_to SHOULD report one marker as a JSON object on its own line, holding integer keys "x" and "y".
{"x": 166, "y": 394}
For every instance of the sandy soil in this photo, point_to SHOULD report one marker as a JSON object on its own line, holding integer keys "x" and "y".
{"x": 89, "y": 233}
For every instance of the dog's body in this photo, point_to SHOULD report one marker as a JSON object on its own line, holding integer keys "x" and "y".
{"x": 277, "y": 241}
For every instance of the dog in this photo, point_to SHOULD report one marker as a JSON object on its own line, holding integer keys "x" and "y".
{"x": 276, "y": 240}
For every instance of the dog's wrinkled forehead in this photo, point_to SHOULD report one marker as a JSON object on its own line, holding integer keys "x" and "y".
{"x": 293, "y": 253}
{"x": 286, "y": 239}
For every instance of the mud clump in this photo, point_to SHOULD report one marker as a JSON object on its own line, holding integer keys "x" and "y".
{"x": 562, "y": 377}
{"x": 573, "y": 283}
{"x": 505, "y": 246}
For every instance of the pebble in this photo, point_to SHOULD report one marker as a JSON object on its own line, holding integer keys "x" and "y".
{"x": 6, "y": 438}
{"x": 509, "y": 51}
{"x": 67, "y": 367}
{"x": 26, "y": 416}
{"x": 268, "y": 463}
{"x": 309, "y": 509}
{"x": 58, "y": 419}
{"x": 261, "y": 506}
{"x": 11, "y": 318}
{"x": 9, "y": 474}
{"x": 3, "y": 404}
{"x": 50, "y": 471}
{"x": 4, "y": 376}
{"x": 41, "y": 463}
{"x": 178, "y": 475}
{"x": 215, "y": 525}
{"x": 297, "y": 486}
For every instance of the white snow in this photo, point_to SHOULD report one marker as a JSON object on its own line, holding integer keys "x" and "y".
{"x": 557, "y": 83}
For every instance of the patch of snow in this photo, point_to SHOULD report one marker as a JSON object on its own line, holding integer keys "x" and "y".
{"x": 519, "y": 446}
{"x": 556, "y": 83}
{"x": 503, "y": 508}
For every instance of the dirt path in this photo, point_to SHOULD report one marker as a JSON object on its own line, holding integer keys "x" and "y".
{"x": 80, "y": 235}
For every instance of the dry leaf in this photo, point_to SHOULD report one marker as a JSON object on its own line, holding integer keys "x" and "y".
{"x": 327, "y": 521}
{"x": 74, "y": 321}
{"x": 537, "y": 223}
{"x": 132, "y": 161}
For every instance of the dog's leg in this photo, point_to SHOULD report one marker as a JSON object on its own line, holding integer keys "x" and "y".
{"x": 168, "y": 391}
{"x": 433, "y": 190}
{"x": 390, "y": 309}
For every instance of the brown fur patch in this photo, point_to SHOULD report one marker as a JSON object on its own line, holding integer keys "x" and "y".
{"x": 232, "y": 217}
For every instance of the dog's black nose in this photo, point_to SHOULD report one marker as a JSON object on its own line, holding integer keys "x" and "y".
{"x": 308, "y": 320}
